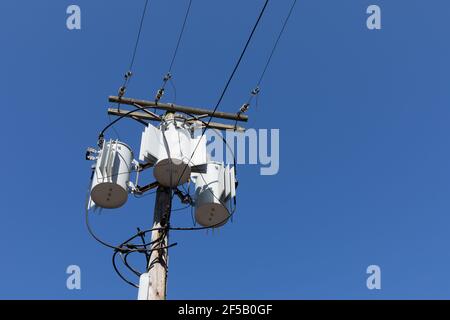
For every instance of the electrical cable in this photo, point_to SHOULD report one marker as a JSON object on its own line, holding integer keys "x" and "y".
{"x": 286, "y": 20}
{"x": 231, "y": 76}
{"x": 119, "y": 273}
{"x": 104, "y": 243}
{"x": 141, "y": 24}
{"x": 114, "y": 129}
{"x": 168, "y": 75}
{"x": 180, "y": 36}
{"x": 124, "y": 258}
{"x": 255, "y": 91}
{"x": 129, "y": 73}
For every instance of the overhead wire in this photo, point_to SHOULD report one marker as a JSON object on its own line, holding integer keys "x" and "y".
{"x": 255, "y": 92}
{"x": 129, "y": 73}
{"x": 126, "y": 247}
{"x": 286, "y": 20}
{"x": 230, "y": 78}
{"x": 168, "y": 76}
{"x": 138, "y": 37}
{"x": 180, "y": 36}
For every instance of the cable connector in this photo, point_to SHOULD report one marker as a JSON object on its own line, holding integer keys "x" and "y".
{"x": 100, "y": 141}
{"x": 185, "y": 198}
{"x": 128, "y": 75}
{"x": 91, "y": 154}
{"x": 135, "y": 164}
{"x": 132, "y": 187}
{"x": 167, "y": 77}
{"x": 256, "y": 91}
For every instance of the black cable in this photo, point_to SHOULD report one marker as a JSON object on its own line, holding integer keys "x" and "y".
{"x": 102, "y": 133}
{"x": 114, "y": 129}
{"x": 119, "y": 273}
{"x": 255, "y": 91}
{"x": 231, "y": 76}
{"x": 138, "y": 35}
{"x": 118, "y": 248}
{"x": 143, "y": 195}
{"x": 180, "y": 36}
{"x": 238, "y": 62}
{"x": 181, "y": 209}
{"x": 276, "y": 43}
{"x": 129, "y": 73}
{"x": 142, "y": 236}
{"x": 168, "y": 75}
{"x": 124, "y": 258}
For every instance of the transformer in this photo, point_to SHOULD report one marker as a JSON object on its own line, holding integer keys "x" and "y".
{"x": 169, "y": 149}
{"x": 112, "y": 174}
{"x": 215, "y": 191}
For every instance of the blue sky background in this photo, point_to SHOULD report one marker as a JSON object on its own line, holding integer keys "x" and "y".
{"x": 365, "y": 146}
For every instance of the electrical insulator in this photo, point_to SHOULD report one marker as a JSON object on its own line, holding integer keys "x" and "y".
{"x": 244, "y": 107}
{"x": 167, "y": 77}
{"x": 91, "y": 154}
{"x": 159, "y": 94}
{"x": 255, "y": 91}
{"x": 122, "y": 91}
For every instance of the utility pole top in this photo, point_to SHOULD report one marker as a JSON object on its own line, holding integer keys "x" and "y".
{"x": 177, "y": 156}
{"x": 149, "y": 117}
{"x": 175, "y": 108}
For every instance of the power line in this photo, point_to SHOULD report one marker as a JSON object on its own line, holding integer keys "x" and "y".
{"x": 256, "y": 90}
{"x": 168, "y": 75}
{"x": 276, "y": 43}
{"x": 261, "y": 13}
{"x": 180, "y": 36}
{"x": 138, "y": 37}
{"x": 237, "y": 63}
{"x": 129, "y": 73}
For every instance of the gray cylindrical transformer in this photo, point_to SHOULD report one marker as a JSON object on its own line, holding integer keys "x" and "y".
{"x": 172, "y": 168}
{"x": 212, "y": 194}
{"x": 112, "y": 174}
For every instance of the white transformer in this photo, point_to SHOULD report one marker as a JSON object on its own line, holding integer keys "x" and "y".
{"x": 215, "y": 191}
{"x": 169, "y": 149}
{"x": 112, "y": 174}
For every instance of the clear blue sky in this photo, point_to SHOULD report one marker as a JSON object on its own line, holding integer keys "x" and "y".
{"x": 365, "y": 146}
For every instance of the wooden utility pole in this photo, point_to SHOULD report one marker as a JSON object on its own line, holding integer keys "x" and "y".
{"x": 153, "y": 284}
